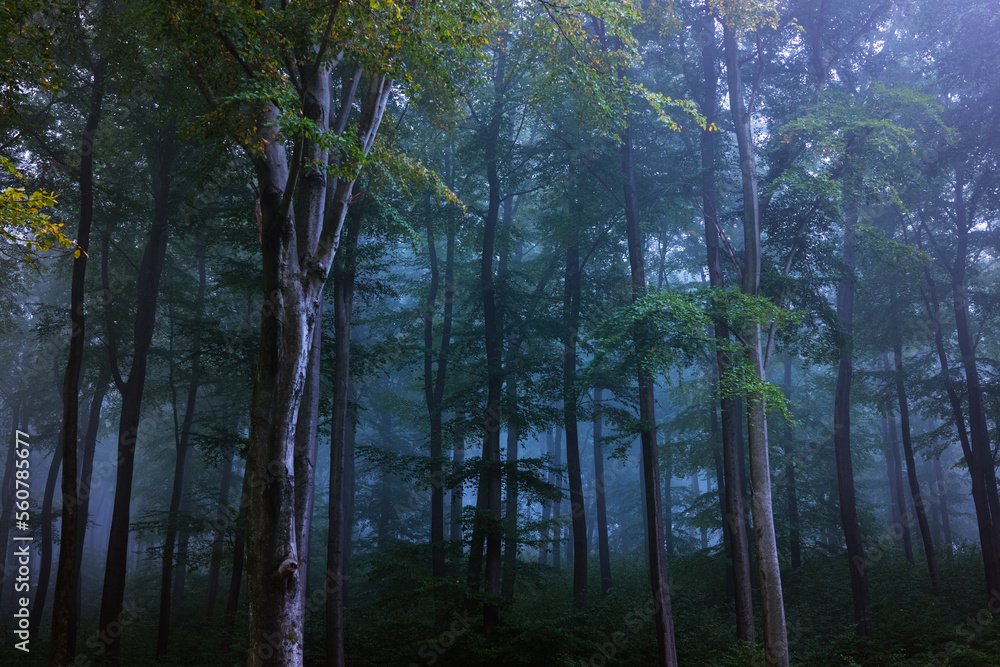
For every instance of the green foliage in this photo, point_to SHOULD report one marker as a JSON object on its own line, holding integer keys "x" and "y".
{"x": 23, "y": 220}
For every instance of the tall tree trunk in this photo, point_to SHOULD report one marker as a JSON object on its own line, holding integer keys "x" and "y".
{"x": 544, "y": 541}
{"x": 600, "y": 500}
{"x": 842, "y": 436}
{"x": 984, "y": 517}
{"x": 510, "y": 502}
{"x": 340, "y": 524}
{"x": 911, "y": 470}
{"x": 298, "y": 248}
{"x": 941, "y": 489}
{"x": 494, "y": 370}
{"x": 84, "y": 493}
{"x": 239, "y": 558}
{"x": 794, "y": 537}
{"x": 457, "y": 491}
{"x": 183, "y": 437}
{"x": 979, "y": 439}
{"x": 663, "y": 611}
{"x": 63, "y": 632}
{"x": 223, "y": 515}
{"x": 772, "y": 603}
{"x": 900, "y": 516}
{"x": 557, "y": 481}
{"x": 434, "y": 386}
{"x": 148, "y": 288}
{"x": 571, "y": 317}
{"x": 45, "y": 565}
{"x": 732, "y": 456}
{"x": 7, "y": 498}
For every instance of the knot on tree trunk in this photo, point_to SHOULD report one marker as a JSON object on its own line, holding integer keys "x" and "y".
{"x": 287, "y": 568}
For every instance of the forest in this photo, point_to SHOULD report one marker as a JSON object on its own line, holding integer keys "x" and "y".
{"x": 500, "y": 332}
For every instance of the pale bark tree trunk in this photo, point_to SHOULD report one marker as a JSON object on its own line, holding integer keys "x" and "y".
{"x": 68, "y": 571}
{"x": 772, "y": 603}
{"x": 731, "y": 453}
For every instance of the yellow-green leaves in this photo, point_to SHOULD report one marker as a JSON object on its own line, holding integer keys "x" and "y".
{"x": 23, "y": 220}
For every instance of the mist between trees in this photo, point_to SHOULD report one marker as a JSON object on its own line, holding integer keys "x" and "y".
{"x": 493, "y": 333}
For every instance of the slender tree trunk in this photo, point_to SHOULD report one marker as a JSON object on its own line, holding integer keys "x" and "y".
{"x": 984, "y": 518}
{"x": 772, "y": 603}
{"x": 571, "y": 316}
{"x": 340, "y": 523}
{"x": 239, "y": 557}
{"x": 842, "y": 438}
{"x": 600, "y": 501}
{"x": 979, "y": 440}
{"x": 63, "y": 631}
{"x": 45, "y": 561}
{"x": 544, "y": 534}
{"x": 148, "y": 288}
{"x": 7, "y": 497}
{"x": 84, "y": 493}
{"x": 901, "y": 516}
{"x": 510, "y": 502}
{"x": 663, "y": 610}
{"x": 735, "y": 509}
{"x": 457, "y": 492}
{"x": 911, "y": 470}
{"x": 182, "y": 442}
{"x": 434, "y": 386}
{"x": 557, "y": 480}
{"x": 794, "y": 537}
{"x": 941, "y": 489}
{"x": 223, "y": 515}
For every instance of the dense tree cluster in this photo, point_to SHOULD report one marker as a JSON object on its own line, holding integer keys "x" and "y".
{"x": 504, "y": 333}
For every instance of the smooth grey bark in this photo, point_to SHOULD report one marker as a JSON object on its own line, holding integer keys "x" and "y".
{"x": 735, "y": 503}
{"x": 772, "y": 603}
